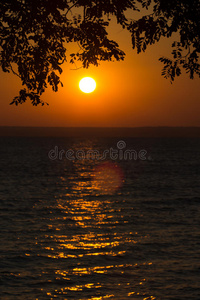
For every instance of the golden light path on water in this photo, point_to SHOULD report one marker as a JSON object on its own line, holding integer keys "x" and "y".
{"x": 92, "y": 236}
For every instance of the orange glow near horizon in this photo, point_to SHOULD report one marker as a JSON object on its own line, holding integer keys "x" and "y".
{"x": 131, "y": 93}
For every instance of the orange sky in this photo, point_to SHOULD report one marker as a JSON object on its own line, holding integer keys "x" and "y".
{"x": 128, "y": 94}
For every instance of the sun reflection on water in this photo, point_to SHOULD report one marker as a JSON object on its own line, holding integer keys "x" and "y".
{"x": 92, "y": 238}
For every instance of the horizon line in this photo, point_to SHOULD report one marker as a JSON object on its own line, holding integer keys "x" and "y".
{"x": 78, "y": 132}
{"x": 120, "y": 127}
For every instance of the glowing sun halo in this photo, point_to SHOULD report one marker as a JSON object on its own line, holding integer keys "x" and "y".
{"x": 87, "y": 85}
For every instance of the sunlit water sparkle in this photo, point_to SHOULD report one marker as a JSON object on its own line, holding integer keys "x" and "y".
{"x": 66, "y": 234}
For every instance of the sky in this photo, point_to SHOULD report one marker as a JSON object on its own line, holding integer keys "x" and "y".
{"x": 131, "y": 93}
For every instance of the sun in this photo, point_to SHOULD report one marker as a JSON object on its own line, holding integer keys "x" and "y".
{"x": 87, "y": 85}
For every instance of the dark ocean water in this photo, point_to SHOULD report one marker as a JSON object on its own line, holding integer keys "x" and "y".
{"x": 112, "y": 228}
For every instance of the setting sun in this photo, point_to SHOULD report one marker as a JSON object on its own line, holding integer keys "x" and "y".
{"x": 87, "y": 85}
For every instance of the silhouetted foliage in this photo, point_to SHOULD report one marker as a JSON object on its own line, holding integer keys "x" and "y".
{"x": 34, "y": 36}
{"x": 168, "y": 17}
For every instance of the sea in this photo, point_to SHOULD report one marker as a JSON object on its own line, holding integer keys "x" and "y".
{"x": 99, "y": 218}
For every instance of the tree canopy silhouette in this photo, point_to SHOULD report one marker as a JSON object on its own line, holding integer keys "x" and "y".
{"x": 34, "y": 35}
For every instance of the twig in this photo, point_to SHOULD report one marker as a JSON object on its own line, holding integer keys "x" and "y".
{"x": 14, "y": 72}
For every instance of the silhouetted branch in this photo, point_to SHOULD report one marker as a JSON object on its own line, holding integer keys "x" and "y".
{"x": 34, "y": 37}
